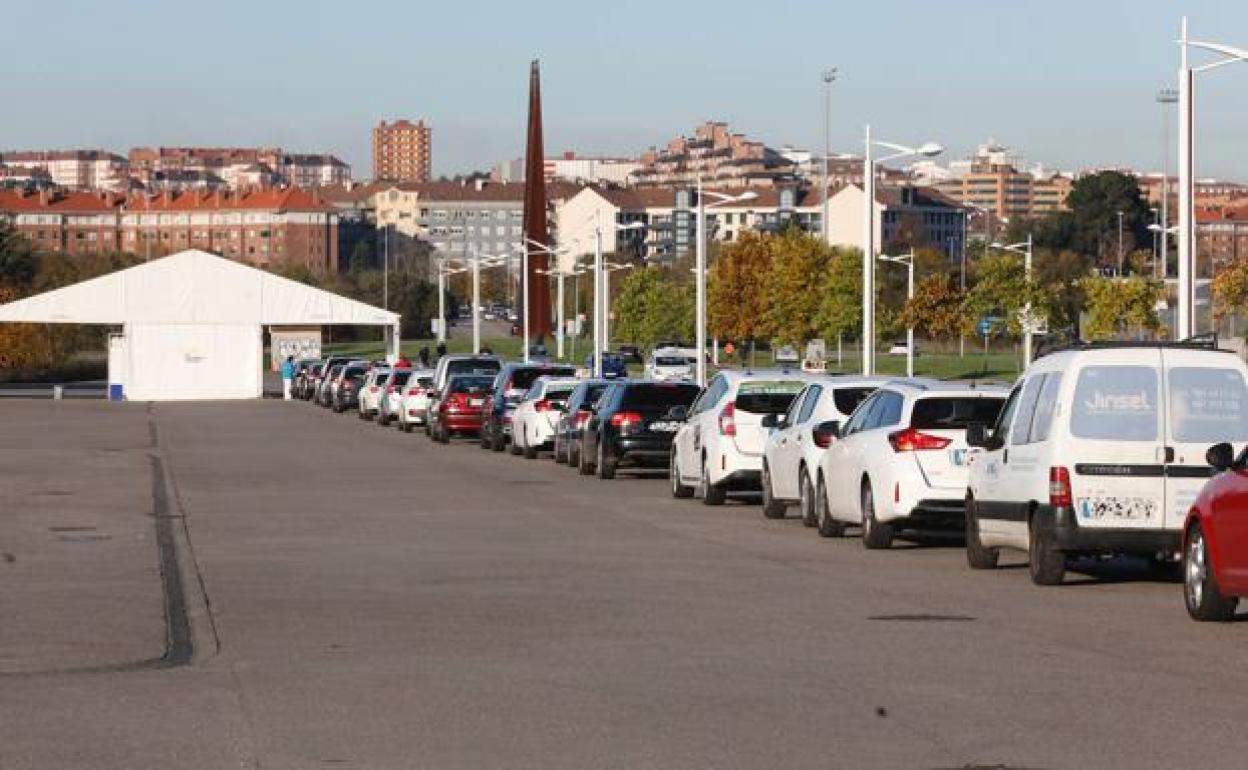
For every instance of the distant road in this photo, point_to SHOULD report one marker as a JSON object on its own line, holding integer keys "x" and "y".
{"x": 83, "y": 389}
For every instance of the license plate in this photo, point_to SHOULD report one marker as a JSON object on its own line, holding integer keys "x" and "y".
{"x": 476, "y": 401}
{"x": 664, "y": 427}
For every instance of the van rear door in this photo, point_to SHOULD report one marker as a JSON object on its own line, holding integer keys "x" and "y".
{"x": 1207, "y": 403}
{"x": 1117, "y": 458}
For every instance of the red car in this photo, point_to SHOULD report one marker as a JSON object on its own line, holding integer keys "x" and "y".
{"x": 1215, "y": 539}
{"x": 460, "y": 407}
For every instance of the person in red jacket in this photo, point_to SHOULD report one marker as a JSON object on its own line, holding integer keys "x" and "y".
{"x": 402, "y": 362}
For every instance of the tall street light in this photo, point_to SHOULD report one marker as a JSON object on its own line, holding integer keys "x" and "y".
{"x": 908, "y": 261}
{"x": 1165, "y": 97}
{"x": 1025, "y": 248}
{"x": 443, "y": 272}
{"x": 479, "y": 261}
{"x": 600, "y": 299}
{"x": 1187, "y": 151}
{"x": 928, "y": 150}
{"x": 607, "y": 269}
{"x": 554, "y": 254}
{"x": 721, "y": 199}
{"x": 829, "y": 77}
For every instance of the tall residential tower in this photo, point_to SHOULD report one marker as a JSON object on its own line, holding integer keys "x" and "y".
{"x": 402, "y": 151}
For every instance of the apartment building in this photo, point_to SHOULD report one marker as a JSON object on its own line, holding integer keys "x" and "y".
{"x": 70, "y": 169}
{"x": 1221, "y": 234}
{"x": 718, "y": 157}
{"x": 233, "y": 168}
{"x": 906, "y": 216}
{"x": 402, "y": 151}
{"x": 268, "y": 228}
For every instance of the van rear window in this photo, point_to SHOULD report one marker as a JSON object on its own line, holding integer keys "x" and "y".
{"x": 523, "y": 379}
{"x": 471, "y": 366}
{"x": 1207, "y": 405}
{"x": 954, "y": 413}
{"x": 767, "y": 396}
{"x": 1115, "y": 403}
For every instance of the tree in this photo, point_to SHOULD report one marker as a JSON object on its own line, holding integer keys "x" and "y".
{"x": 840, "y": 311}
{"x": 651, "y": 306}
{"x": 937, "y": 310}
{"x": 22, "y": 346}
{"x": 19, "y": 261}
{"x": 1118, "y": 305}
{"x": 1230, "y": 289}
{"x": 792, "y": 289}
{"x": 1003, "y": 289}
{"x": 1094, "y": 203}
{"x": 736, "y": 297}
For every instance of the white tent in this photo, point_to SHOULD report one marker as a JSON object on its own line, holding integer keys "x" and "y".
{"x": 193, "y": 322}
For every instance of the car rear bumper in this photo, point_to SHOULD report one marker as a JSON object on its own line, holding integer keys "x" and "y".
{"x": 461, "y": 422}
{"x": 643, "y": 451}
{"x": 1062, "y": 526}
{"x": 934, "y": 514}
{"x": 747, "y": 480}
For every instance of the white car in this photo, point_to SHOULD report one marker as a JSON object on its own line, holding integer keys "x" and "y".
{"x": 900, "y": 461}
{"x": 391, "y": 400}
{"x": 720, "y": 447}
{"x": 1101, "y": 450}
{"x": 371, "y": 392}
{"x": 536, "y": 417}
{"x": 669, "y": 365}
{"x": 414, "y": 400}
{"x": 800, "y": 436}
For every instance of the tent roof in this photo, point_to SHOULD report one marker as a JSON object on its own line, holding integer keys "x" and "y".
{"x": 193, "y": 287}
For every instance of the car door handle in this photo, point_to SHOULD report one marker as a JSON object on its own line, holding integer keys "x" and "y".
{"x": 1169, "y": 454}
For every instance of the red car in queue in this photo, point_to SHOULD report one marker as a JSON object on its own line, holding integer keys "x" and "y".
{"x": 460, "y": 406}
{"x": 1215, "y": 539}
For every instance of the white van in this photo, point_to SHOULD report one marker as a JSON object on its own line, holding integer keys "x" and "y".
{"x": 1100, "y": 450}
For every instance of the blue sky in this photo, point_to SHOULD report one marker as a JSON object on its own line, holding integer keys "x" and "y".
{"x": 1069, "y": 84}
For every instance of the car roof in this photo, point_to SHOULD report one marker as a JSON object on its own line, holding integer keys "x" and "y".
{"x": 745, "y": 375}
{"x": 925, "y": 386}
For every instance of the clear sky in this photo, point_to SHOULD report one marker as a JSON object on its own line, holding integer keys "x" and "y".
{"x": 1070, "y": 83}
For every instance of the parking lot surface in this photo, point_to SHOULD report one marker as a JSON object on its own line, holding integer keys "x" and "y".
{"x": 359, "y": 597}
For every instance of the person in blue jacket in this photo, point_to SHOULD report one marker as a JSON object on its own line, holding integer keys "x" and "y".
{"x": 288, "y": 376}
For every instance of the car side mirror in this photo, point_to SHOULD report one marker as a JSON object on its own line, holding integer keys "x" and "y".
{"x": 678, "y": 412}
{"x": 977, "y": 435}
{"x": 1220, "y": 456}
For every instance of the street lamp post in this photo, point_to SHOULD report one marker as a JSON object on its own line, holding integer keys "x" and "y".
{"x": 1119, "y": 244}
{"x": 1165, "y": 97}
{"x": 1187, "y": 144}
{"x": 478, "y": 261}
{"x": 1026, "y": 249}
{"x": 908, "y": 261}
{"x": 829, "y": 77}
{"x": 930, "y": 149}
{"x": 700, "y": 267}
{"x": 607, "y": 269}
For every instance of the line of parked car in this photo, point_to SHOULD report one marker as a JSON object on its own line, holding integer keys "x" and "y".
{"x": 1097, "y": 451}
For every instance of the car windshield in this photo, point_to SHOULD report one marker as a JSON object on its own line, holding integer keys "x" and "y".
{"x": 671, "y": 361}
{"x": 848, "y": 399}
{"x": 954, "y": 413}
{"x": 472, "y": 366}
{"x": 523, "y": 379}
{"x": 591, "y": 394}
{"x": 424, "y": 382}
{"x": 354, "y": 371}
{"x": 767, "y": 396}
{"x": 471, "y": 384}
{"x": 400, "y": 379}
{"x": 659, "y": 395}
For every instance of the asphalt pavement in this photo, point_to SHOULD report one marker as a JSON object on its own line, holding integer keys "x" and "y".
{"x": 326, "y": 593}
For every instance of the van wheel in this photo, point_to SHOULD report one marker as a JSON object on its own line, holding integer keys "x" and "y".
{"x": 806, "y": 503}
{"x": 679, "y": 488}
{"x": 1200, "y": 588}
{"x": 827, "y": 526}
{"x": 711, "y": 495}
{"x": 1046, "y": 563}
{"x": 977, "y": 556}
{"x": 875, "y": 536}
{"x": 772, "y": 508}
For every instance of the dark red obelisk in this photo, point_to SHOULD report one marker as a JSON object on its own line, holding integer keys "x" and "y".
{"x": 537, "y": 303}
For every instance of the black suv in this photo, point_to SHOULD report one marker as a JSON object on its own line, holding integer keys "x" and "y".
{"x": 347, "y": 396}
{"x": 633, "y": 424}
{"x": 510, "y": 385}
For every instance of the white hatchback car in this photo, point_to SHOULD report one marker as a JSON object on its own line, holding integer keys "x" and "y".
{"x": 900, "y": 462}
{"x": 371, "y": 392}
{"x": 414, "y": 403}
{"x": 537, "y": 415}
{"x": 669, "y": 365}
{"x": 800, "y": 436}
{"x": 720, "y": 447}
{"x": 1101, "y": 451}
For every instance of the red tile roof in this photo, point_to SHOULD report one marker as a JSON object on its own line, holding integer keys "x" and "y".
{"x": 285, "y": 199}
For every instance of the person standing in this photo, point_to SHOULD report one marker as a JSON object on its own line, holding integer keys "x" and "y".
{"x": 424, "y": 356}
{"x": 288, "y": 376}
{"x": 441, "y": 350}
